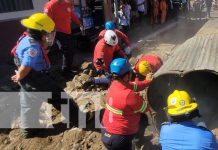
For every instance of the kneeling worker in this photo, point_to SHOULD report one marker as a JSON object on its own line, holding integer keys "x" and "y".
{"x": 148, "y": 63}
{"x": 123, "y": 108}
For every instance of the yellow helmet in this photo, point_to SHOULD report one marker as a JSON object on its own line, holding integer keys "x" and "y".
{"x": 144, "y": 68}
{"x": 179, "y": 103}
{"x": 39, "y": 21}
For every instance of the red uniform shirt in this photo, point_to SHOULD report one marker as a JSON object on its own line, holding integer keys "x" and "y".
{"x": 123, "y": 98}
{"x": 138, "y": 85}
{"x": 62, "y": 14}
{"x": 153, "y": 60}
{"x": 105, "y": 52}
{"x": 120, "y": 35}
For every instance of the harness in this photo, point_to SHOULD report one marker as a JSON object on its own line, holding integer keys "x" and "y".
{"x": 17, "y": 61}
{"x": 13, "y": 51}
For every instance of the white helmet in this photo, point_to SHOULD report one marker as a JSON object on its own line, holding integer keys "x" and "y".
{"x": 110, "y": 38}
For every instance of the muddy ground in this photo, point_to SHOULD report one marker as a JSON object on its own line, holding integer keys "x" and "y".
{"x": 61, "y": 137}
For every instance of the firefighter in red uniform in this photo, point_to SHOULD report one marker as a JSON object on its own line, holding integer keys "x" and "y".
{"x": 62, "y": 14}
{"x": 148, "y": 63}
{"x": 109, "y": 25}
{"x": 163, "y": 9}
{"x": 123, "y": 109}
{"x": 105, "y": 50}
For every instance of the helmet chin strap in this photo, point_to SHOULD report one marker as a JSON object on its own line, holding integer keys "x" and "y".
{"x": 126, "y": 79}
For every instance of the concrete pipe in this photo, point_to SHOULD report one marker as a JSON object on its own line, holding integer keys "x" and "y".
{"x": 192, "y": 67}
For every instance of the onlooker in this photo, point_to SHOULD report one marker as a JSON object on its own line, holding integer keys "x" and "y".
{"x": 123, "y": 20}
{"x": 163, "y": 9}
{"x": 185, "y": 8}
{"x": 62, "y": 14}
{"x": 181, "y": 132}
{"x": 156, "y": 11}
{"x": 208, "y": 5}
{"x": 176, "y": 7}
{"x": 197, "y": 5}
{"x": 141, "y": 8}
{"x": 127, "y": 10}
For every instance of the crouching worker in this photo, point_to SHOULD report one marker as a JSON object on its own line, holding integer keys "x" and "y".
{"x": 33, "y": 69}
{"x": 123, "y": 110}
{"x": 181, "y": 132}
{"x": 124, "y": 40}
{"x": 103, "y": 55}
{"x": 148, "y": 63}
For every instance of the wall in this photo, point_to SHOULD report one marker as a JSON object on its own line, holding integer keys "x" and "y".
{"x": 11, "y": 29}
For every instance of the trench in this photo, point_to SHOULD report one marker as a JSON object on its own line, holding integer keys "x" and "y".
{"x": 202, "y": 85}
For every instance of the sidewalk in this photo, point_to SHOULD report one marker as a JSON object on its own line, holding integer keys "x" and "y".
{"x": 144, "y": 30}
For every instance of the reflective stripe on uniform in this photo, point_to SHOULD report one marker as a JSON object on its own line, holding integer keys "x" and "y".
{"x": 113, "y": 110}
{"x": 142, "y": 109}
{"x": 134, "y": 86}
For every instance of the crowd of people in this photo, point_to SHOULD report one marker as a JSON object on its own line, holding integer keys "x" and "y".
{"x": 158, "y": 11}
{"x": 124, "y": 109}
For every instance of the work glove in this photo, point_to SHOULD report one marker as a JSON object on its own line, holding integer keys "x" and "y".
{"x": 127, "y": 50}
{"x": 149, "y": 77}
{"x": 88, "y": 84}
{"x": 99, "y": 61}
{"x": 100, "y": 72}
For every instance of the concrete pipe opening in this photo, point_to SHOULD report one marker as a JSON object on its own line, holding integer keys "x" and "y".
{"x": 201, "y": 85}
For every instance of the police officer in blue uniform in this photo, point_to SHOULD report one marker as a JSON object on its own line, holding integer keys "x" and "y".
{"x": 33, "y": 65}
{"x": 181, "y": 133}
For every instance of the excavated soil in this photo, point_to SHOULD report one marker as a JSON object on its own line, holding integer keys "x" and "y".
{"x": 74, "y": 138}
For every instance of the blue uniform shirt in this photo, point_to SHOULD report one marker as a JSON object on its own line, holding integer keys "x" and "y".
{"x": 29, "y": 53}
{"x": 186, "y": 136}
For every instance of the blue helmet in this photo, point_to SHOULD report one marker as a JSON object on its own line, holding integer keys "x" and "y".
{"x": 109, "y": 25}
{"x": 120, "y": 66}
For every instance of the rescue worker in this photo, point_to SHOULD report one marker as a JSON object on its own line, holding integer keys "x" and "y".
{"x": 33, "y": 65}
{"x": 105, "y": 50}
{"x": 146, "y": 66}
{"x": 109, "y": 25}
{"x": 148, "y": 63}
{"x": 62, "y": 14}
{"x": 121, "y": 118}
{"x": 163, "y": 9}
{"x": 181, "y": 132}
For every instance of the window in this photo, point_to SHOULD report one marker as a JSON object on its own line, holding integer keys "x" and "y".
{"x": 15, "y": 5}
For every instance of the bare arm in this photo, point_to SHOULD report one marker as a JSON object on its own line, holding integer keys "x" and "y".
{"x": 21, "y": 73}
